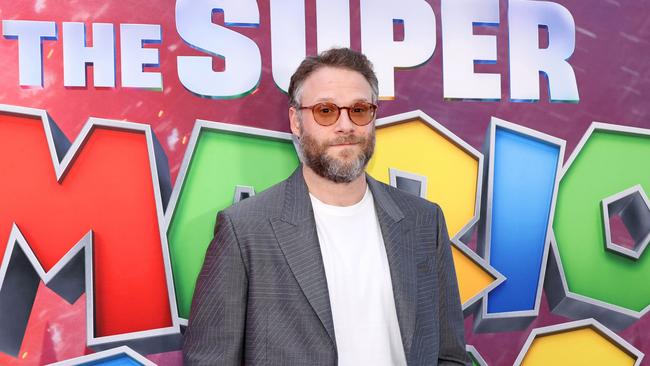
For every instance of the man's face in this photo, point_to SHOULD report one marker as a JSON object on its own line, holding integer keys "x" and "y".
{"x": 341, "y": 151}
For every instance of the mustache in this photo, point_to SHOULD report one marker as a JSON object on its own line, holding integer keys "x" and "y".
{"x": 350, "y": 139}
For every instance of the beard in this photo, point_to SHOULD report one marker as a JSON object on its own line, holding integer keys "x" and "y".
{"x": 343, "y": 168}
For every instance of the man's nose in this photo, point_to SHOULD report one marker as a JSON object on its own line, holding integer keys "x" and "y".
{"x": 344, "y": 124}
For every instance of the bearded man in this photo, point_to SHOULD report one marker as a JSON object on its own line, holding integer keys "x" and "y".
{"x": 329, "y": 267}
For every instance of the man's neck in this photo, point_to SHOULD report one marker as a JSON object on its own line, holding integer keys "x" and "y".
{"x": 331, "y": 193}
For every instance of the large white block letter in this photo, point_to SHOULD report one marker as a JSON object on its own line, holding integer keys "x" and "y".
{"x": 241, "y": 54}
{"x": 461, "y": 49}
{"x": 29, "y": 34}
{"x": 377, "y": 17}
{"x": 76, "y": 54}
{"x": 527, "y": 60}
{"x": 135, "y": 57}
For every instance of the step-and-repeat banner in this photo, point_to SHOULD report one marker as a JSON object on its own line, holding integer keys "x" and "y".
{"x": 126, "y": 126}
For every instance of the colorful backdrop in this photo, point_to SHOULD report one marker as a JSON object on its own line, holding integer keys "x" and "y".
{"x": 125, "y": 127}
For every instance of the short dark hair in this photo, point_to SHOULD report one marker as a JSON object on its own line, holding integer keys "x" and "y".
{"x": 343, "y": 58}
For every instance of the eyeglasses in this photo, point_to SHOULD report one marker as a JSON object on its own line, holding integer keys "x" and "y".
{"x": 326, "y": 114}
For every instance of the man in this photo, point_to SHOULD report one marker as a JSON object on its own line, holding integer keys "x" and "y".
{"x": 329, "y": 267}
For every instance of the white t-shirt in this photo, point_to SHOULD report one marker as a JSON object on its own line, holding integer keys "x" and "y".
{"x": 359, "y": 284}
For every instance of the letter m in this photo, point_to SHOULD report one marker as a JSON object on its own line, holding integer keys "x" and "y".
{"x": 85, "y": 218}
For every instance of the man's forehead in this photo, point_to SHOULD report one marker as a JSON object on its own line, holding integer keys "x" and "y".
{"x": 329, "y": 72}
{"x": 330, "y": 83}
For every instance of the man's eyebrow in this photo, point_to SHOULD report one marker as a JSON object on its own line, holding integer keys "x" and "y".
{"x": 324, "y": 99}
{"x": 331, "y": 100}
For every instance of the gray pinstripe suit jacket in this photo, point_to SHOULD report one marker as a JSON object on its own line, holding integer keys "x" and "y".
{"x": 261, "y": 297}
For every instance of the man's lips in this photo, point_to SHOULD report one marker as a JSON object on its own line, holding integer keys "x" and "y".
{"x": 346, "y": 144}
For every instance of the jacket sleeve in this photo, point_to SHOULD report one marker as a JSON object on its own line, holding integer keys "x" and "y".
{"x": 216, "y": 327}
{"x": 452, "y": 330}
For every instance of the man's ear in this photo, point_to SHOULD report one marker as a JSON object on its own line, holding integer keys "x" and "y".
{"x": 294, "y": 121}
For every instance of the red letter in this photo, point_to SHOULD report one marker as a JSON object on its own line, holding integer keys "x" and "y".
{"x": 107, "y": 183}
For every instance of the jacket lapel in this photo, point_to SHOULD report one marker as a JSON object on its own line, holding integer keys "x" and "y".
{"x": 399, "y": 251}
{"x": 296, "y": 233}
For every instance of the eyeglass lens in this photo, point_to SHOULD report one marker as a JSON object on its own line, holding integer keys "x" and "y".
{"x": 328, "y": 113}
